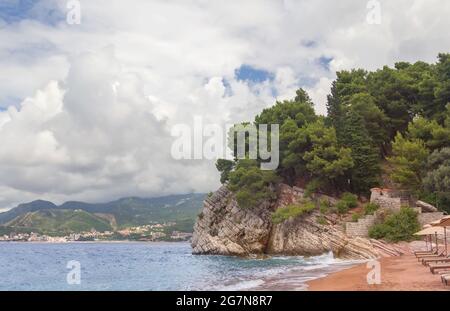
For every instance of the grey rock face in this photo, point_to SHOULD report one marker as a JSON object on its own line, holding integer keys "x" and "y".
{"x": 304, "y": 236}
{"x": 224, "y": 228}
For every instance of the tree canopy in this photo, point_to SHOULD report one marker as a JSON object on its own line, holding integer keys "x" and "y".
{"x": 394, "y": 117}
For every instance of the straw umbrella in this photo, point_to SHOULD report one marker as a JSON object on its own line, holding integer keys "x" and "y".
{"x": 443, "y": 223}
{"x": 431, "y": 231}
{"x": 427, "y": 237}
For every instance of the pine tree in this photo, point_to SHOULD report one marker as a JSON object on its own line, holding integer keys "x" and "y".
{"x": 366, "y": 170}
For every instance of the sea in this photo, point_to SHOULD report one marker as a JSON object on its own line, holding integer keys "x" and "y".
{"x": 142, "y": 266}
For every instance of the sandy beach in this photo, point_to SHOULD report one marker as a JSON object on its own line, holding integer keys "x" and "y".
{"x": 397, "y": 273}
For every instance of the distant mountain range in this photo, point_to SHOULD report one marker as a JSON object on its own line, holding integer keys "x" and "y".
{"x": 76, "y": 216}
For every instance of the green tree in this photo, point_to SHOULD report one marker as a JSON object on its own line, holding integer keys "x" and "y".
{"x": 394, "y": 94}
{"x": 366, "y": 170}
{"x": 442, "y": 90}
{"x": 437, "y": 180}
{"x": 224, "y": 167}
{"x": 325, "y": 160}
{"x": 252, "y": 185}
{"x": 408, "y": 161}
{"x": 291, "y": 116}
{"x": 374, "y": 119}
{"x": 301, "y": 110}
{"x": 347, "y": 84}
{"x": 434, "y": 135}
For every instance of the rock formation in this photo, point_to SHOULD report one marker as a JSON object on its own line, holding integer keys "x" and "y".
{"x": 426, "y": 208}
{"x": 224, "y": 228}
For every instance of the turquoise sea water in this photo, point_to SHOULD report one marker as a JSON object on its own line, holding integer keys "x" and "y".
{"x": 143, "y": 266}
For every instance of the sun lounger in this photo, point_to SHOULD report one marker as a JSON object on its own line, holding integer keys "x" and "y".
{"x": 445, "y": 278}
{"x": 424, "y": 252}
{"x": 443, "y": 273}
{"x": 439, "y": 266}
{"x": 420, "y": 257}
{"x": 427, "y": 261}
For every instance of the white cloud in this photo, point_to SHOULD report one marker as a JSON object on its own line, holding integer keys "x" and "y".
{"x": 107, "y": 92}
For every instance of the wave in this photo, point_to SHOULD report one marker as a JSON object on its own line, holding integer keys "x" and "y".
{"x": 296, "y": 271}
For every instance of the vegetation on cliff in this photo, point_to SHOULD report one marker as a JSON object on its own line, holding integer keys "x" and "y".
{"x": 292, "y": 211}
{"x": 392, "y": 117}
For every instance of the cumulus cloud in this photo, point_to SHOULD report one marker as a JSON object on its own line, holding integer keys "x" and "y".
{"x": 86, "y": 110}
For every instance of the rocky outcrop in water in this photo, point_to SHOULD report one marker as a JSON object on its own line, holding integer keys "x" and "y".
{"x": 224, "y": 228}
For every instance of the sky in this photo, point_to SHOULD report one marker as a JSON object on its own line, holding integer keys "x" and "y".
{"x": 86, "y": 110}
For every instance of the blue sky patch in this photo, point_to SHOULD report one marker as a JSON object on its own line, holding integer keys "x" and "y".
{"x": 10, "y": 101}
{"x": 324, "y": 62}
{"x": 13, "y": 11}
{"x": 251, "y": 74}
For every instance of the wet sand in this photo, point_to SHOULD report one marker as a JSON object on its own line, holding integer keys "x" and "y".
{"x": 296, "y": 279}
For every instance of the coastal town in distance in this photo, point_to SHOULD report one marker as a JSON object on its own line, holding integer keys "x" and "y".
{"x": 146, "y": 233}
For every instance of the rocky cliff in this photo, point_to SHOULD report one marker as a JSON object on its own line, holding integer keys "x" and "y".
{"x": 224, "y": 228}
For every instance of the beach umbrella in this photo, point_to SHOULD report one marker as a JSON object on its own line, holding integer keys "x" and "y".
{"x": 428, "y": 237}
{"x": 444, "y": 222}
{"x": 432, "y": 231}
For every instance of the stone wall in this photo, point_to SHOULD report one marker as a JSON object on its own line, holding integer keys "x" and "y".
{"x": 361, "y": 227}
{"x": 386, "y": 199}
{"x": 426, "y": 218}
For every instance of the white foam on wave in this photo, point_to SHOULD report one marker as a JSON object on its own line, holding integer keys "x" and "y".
{"x": 314, "y": 267}
{"x": 243, "y": 285}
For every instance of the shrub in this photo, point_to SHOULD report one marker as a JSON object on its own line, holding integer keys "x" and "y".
{"x": 324, "y": 206}
{"x": 370, "y": 208}
{"x": 400, "y": 226}
{"x": 356, "y": 216}
{"x": 250, "y": 184}
{"x": 312, "y": 187}
{"x": 292, "y": 210}
{"x": 342, "y": 207}
{"x": 321, "y": 220}
{"x": 378, "y": 231}
{"x": 350, "y": 199}
{"x": 346, "y": 202}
